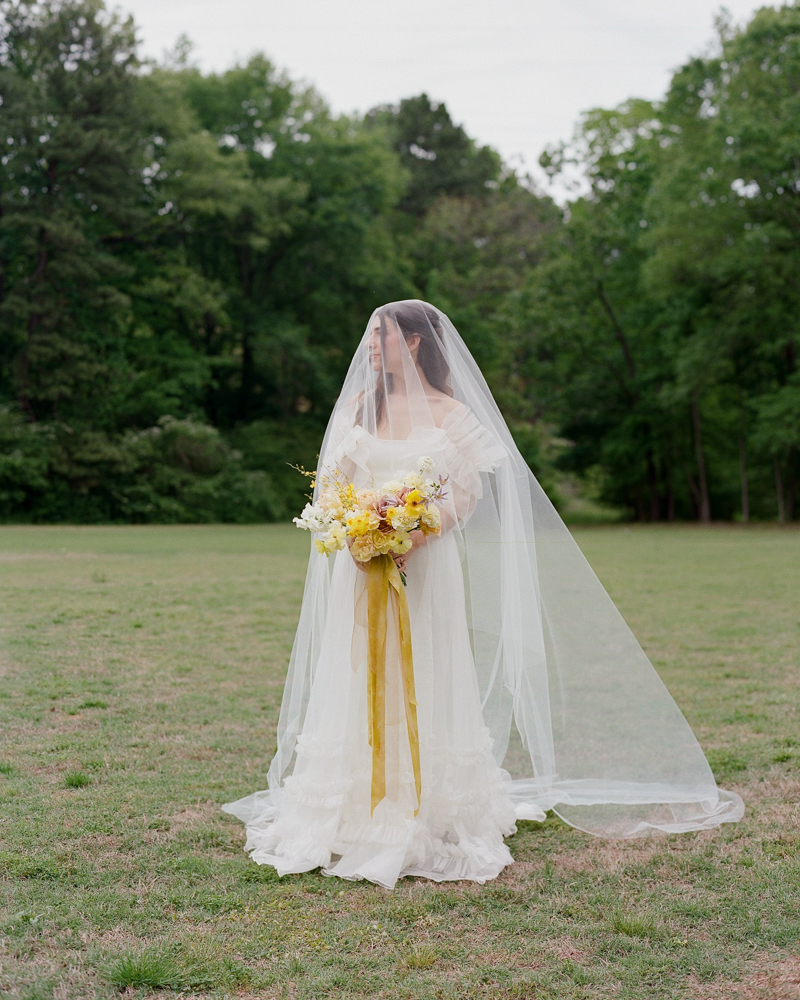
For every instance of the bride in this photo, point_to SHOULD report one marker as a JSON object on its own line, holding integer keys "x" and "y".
{"x": 530, "y": 691}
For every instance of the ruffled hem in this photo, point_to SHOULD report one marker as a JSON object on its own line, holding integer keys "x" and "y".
{"x": 457, "y": 835}
{"x": 382, "y": 854}
{"x": 481, "y": 865}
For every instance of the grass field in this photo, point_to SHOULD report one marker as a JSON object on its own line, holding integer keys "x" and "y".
{"x": 140, "y": 677}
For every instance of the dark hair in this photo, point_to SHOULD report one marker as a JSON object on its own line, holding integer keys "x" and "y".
{"x": 421, "y": 320}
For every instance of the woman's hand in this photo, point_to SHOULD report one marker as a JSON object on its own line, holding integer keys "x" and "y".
{"x": 418, "y": 538}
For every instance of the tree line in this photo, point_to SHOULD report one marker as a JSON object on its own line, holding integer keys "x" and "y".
{"x": 187, "y": 262}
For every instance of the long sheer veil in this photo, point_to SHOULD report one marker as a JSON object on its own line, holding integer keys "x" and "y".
{"x": 577, "y": 713}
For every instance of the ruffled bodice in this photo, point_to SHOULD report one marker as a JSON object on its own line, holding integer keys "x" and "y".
{"x": 460, "y": 447}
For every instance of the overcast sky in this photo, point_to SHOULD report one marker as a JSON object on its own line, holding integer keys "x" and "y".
{"x": 515, "y": 73}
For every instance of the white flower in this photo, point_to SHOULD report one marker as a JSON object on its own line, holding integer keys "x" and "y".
{"x": 313, "y": 518}
{"x": 331, "y": 541}
{"x": 426, "y": 464}
{"x": 401, "y": 519}
{"x": 431, "y": 518}
{"x": 338, "y": 535}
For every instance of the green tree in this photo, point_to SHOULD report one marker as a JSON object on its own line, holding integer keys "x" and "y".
{"x": 660, "y": 333}
{"x": 726, "y": 242}
{"x": 71, "y": 136}
{"x": 468, "y": 231}
{"x": 173, "y": 244}
{"x": 438, "y": 155}
{"x": 592, "y": 346}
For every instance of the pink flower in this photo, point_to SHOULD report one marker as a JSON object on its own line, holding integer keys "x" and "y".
{"x": 383, "y": 505}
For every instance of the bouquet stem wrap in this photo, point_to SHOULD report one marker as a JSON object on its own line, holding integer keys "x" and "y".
{"x": 383, "y": 576}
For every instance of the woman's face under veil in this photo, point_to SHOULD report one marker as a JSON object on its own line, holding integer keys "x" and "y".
{"x": 401, "y": 397}
{"x": 387, "y": 346}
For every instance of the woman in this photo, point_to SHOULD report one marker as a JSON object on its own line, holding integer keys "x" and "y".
{"x": 521, "y": 663}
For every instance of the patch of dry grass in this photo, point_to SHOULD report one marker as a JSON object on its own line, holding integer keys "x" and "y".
{"x": 151, "y": 660}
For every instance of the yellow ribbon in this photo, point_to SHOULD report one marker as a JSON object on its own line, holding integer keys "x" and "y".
{"x": 384, "y": 574}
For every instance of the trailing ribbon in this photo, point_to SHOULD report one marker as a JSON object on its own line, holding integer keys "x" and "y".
{"x": 383, "y": 575}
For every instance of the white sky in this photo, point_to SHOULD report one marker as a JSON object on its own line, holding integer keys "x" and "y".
{"x": 515, "y": 73}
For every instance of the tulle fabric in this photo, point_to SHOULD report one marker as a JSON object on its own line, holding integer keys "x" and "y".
{"x": 533, "y": 692}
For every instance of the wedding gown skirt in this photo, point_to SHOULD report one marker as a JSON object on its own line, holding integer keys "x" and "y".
{"x": 321, "y": 815}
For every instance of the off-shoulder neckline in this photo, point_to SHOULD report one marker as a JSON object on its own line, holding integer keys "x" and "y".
{"x": 460, "y": 411}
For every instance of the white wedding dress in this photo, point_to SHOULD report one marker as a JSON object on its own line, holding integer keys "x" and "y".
{"x": 323, "y": 815}
{"x": 521, "y": 660}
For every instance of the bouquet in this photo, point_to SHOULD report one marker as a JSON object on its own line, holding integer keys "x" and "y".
{"x": 374, "y": 522}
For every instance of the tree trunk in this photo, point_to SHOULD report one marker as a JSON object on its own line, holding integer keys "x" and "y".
{"x": 695, "y": 494}
{"x": 652, "y": 485}
{"x": 639, "y": 503}
{"x": 246, "y": 376}
{"x": 705, "y": 506}
{"x": 666, "y": 476}
{"x": 779, "y": 491}
{"x": 743, "y": 475}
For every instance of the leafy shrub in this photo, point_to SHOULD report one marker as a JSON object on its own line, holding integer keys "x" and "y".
{"x": 275, "y": 447}
{"x": 24, "y": 459}
{"x": 177, "y": 472}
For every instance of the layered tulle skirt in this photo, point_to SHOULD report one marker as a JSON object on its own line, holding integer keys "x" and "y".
{"x": 322, "y": 817}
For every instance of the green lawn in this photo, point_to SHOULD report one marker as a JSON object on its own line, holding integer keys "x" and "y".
{"x": 140, "y": 678}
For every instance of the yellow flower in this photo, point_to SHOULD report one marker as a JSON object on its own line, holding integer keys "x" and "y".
{"x": 401, "y": 543}
{"x": 363, "y": 549}
{"x": 346, "y": 495}
{"x": 360, "y": 522}
{"x": 331, "y": 541}
{"x": 415, "y": 500}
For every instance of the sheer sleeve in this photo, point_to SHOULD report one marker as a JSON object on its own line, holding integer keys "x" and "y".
{"x": 341, "y": 446}
{"x": 470, "y": 450}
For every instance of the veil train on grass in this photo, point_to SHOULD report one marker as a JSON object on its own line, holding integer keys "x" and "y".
{"x": 575, "y": 711}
